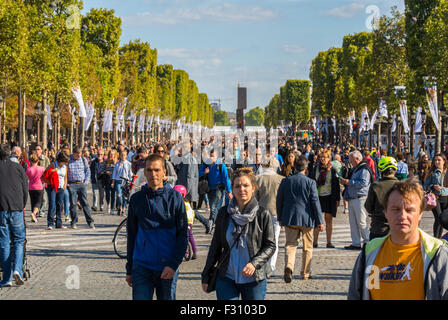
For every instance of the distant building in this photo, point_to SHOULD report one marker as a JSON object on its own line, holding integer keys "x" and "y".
{"x": 232, "y": 118}
{"x": 216, "y": 106}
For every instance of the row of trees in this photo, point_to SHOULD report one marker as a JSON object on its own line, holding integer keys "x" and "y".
{"x": 291, "y": 105}
{"x": 403, "y": 49}
{"x": 48, "y": 48}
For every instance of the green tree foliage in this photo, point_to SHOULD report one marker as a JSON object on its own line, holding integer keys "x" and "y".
{"x": 221, "y": 118}
{"x": 319, "y": 77}
{"x": 416, "y": 14}
{"x": 298, "y": 94}
{"x": 181, "y": 81}
{"x": 389, "y": 58}
{"x": 166, "y": 90}
{"x": 255, "y": 117}
{"x": 103, "y": 29}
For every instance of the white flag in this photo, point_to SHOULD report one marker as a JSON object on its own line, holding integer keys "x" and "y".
{"x": 50, "y": 125}
{"x": 383, "y": 109}
{"x": 350, "y": 124}
{"x": 107, "y": 124}
{"x": 365, "y": 120}
{"x": 90, "y": 112}
{"x": 72, "y": 112}
{"x": 373, "y": 120}
{"x": 141, "y": 122}
{"x": 431, "y": 96}
{"x": 418, "y": 121}
{"x": 334, "y": 124}
{"x": 133, "y": 119}
{"x": 394, "y": 124}
{"x": 82, "y": 108}
{"x": 404, "y": 115}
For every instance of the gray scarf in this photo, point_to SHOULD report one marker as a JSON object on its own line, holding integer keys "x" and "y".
{"x": 242, "y": 219}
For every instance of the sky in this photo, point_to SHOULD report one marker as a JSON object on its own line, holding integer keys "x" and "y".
{"x": 257, "y": 44}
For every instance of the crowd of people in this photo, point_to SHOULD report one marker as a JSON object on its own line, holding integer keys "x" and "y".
{"x": 297, "y": 187}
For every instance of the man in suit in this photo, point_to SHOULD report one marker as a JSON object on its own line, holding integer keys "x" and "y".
{"x": 299, "y": 211}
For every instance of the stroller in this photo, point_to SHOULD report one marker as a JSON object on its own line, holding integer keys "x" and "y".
{"x": 26, "y": 274}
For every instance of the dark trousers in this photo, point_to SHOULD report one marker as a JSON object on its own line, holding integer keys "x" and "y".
{"x": 146, "y": 281}
{"x": 79, "y": 191}
{"x": 438, "y": 212}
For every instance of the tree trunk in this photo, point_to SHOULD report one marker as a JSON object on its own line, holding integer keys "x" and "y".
{"x": 44, "y": 131}
{"x": 81, "y": 132}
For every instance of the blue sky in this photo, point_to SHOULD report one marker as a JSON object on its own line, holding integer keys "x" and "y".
{"x": 258, "y": 44}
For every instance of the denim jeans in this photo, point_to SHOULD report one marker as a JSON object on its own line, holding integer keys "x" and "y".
{"x": 12, "y": 229}
{"x": 146, "y": 281}
{"x": 214, "y": 197}
{"x": 98, "y": 195}
{"x": 118, "y": 187}
{"x": 110, "y": 196}
{"x": 174, "y": 285}
{"x": 79, "y": 191}
{"x": 227, "y": 289}
{"x": 66, "y": 202}
{"x": 56, "y": 201}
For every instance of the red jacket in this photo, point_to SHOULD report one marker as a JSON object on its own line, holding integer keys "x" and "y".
{"x": 51, "y": 178}
{"x": 371, "y": 164}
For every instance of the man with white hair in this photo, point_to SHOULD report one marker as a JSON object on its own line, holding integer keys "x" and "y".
{"x": 357, "y": 189}
{"x": 15, "y": 154}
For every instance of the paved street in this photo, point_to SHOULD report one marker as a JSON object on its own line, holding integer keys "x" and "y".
{"x": 55, "y": 256}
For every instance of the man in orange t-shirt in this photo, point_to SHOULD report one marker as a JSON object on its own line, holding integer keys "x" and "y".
{"x": 407, "y": 264}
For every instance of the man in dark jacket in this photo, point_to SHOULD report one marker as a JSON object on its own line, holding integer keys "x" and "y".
{"x": 379, "y": 226}
{"x": 13, "y": 197}
{"x": 157, "y": 235}
{"x": 299, "y": 211}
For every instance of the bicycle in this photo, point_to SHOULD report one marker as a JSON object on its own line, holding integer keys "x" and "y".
{"x": 120, "y": 235}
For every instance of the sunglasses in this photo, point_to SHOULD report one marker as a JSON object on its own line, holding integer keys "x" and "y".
{"x": 160, "y": 151}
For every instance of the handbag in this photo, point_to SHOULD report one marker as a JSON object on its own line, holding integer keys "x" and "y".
{"x": 213, "y": 273}
{"x": 430, "y": 201}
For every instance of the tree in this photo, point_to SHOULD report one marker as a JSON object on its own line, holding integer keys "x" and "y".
{"x": 255, "y": 117}
{"x": 297, "y": 95}
{"x": 181, "y": 80}
{"x": 318, "y": 76}
{"x": 221, "y": 118}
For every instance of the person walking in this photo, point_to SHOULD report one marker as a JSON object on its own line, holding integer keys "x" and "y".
{"x": 402, "y": 167}
{"x": 329, "y": 192}
{"x": 288, "y": 167}
{"x": 56, "y": 177}
{"x": 436, "y": 183}
{"x": 78, "y": 176}
{"x": 407, "y": 264}
{"x": 97, "y": 166}
{"x": 379, "y": 227}
{"x": 157, "y": 235}
{"x": 244, "y": 232}
{"x": 171, "y": 176}
{"x": 35, "y": 186}
{"x": 268, "y": 182}
{"x": 105, "y": 177}
{"x": 13, "y": 198}
{"x": 122, "y": 170}
{"x": 356, "y": 192}
{"x": 299, "y": 211}
{"x": 218, "y": 182}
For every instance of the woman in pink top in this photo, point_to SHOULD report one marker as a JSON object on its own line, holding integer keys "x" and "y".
{"x": 35, "y": 186}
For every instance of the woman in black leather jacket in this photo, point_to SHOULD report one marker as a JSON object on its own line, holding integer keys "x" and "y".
{"x": 244, "y": 229}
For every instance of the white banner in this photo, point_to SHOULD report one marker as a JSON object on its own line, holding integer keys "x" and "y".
{"x": 107, "y": 124}
{"x": 50, "y": 125}
{"x": 141, "y": 122}
{"x": 383, "y": 109}
{"x": 404, "y": 115}
{"x": 78, "y": 96}
{"x": 72, "y": 112}
{"x": 418, "y": 121}
{"x": 394, "y": 123}
{"x": 334, "y": 125}
{"x": 133, "y": 119}
{"x": 364, "y": 120}
{"x": 350, "y": 124}
{"x": 431, "y": 96}
{"x": 149, "y": 123}
{"x": 373, "y": 120}
{"x": 90, "y": 112}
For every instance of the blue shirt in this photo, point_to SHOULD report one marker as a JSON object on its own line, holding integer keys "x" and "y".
{"x": 239, "y": 258}
{"x": 122, "y": 169}
{"x": 78, "y": 170}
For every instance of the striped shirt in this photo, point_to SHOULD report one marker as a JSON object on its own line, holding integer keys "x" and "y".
{"x": 78, "y": 170}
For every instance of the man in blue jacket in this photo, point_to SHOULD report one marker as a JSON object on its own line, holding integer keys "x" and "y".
{"x": 218, "y": 182}
{"x": 157, "y": 235}
{"x": 299, "y": 211}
